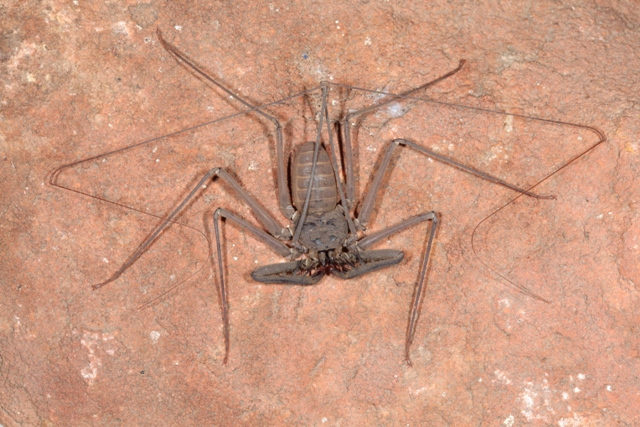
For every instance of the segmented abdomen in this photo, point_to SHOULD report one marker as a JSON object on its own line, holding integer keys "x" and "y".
{"x": 324, "y": 195}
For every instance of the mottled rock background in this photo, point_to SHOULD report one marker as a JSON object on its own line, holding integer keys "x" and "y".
{"x": 83, "y": 78}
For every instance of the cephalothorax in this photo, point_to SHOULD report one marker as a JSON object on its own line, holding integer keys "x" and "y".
{"x": 328, "y": 245}
{"x": 326, "y": 235}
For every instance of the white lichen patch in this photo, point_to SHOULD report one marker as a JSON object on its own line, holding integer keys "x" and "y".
{"x": 570, "y": 422}
{"x": 120, "y": 27}
{"x": 537, "y": 401}
{"x": 396, "y": 110}
{"x": 94, "y": 341}
{"x": 502, "y": 377}
{"x": 540, "y": 402}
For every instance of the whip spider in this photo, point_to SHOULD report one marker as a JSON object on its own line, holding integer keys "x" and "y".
{"x": 326, "y": 231}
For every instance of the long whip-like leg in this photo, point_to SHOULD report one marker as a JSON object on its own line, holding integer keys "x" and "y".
{"x": 334, "y": 162}
{"x": 316, "y": 151}
{"x": 346, "y": 126}
{"x": 418, "y": 295}
{"x": 284, "y": 198}
{"x": 271, "y": 241}
{"x": 367, "y": 207}
{"x": 261, "y": 213}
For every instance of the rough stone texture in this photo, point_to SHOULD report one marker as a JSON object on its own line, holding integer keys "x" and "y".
{"x": 83, "y": 78}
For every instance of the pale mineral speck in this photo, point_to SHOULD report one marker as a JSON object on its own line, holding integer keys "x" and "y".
{"x": 396, "y": 110}
{"x": 120, "y": 28}
{"x": 508, "y": 123}
{"x": 502, "y": 377}
{"x": 570, "y": 422}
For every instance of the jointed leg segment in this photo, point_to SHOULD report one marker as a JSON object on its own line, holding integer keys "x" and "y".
{"x": 366, "y": 208}
{"x": 268, "y": 239}
{"x": 346, "y": 126}
{"x": 284, "y": 199}
{"x": 270, "y": 224}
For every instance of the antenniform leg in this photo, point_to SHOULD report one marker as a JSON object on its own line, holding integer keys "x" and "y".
{"x": 346, "y": 126}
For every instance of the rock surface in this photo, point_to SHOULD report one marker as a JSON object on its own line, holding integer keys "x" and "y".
{"x": 85, "y": 78}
